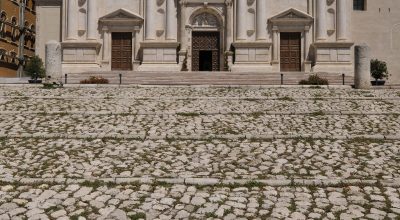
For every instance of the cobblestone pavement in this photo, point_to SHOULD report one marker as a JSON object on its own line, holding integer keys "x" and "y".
{"x": 198, "y": 153}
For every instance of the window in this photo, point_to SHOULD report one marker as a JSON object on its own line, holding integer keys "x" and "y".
{"x": 14, "y": 28}
{"x": 3, "y": 19}
{"x": 359, "y": 5}
{"x": 2, "y": 54}
{"x": 33, "y": 5}
{"x": 13, "y": 55}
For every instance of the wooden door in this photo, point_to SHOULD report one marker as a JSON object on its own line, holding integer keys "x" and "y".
{"x": 121, "y": 56}
{"x": 205, "y": 43}
{"x": 290, "y": 52}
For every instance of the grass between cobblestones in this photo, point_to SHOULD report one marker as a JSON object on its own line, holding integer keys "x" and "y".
{"x": 197, "y": 153}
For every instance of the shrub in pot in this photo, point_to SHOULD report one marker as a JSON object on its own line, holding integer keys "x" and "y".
{"x": 35, "y": 69}
{"x": 379, "y": 72}
{"x": 314, "y": 80}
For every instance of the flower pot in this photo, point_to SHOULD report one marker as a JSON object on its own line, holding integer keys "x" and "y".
{"x": 378, "y": 82}
{"x": 35, "y": 81}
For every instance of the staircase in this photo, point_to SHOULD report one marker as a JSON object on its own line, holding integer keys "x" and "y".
{"x": 206, "y": 78}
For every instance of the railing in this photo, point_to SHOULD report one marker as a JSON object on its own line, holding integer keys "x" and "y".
{"x": 285, "y": 79}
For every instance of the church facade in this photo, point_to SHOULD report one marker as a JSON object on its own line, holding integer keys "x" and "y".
{"x": 197, "y": 35}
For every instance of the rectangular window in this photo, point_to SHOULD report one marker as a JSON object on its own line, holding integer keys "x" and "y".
{"x": 359, "y": 5}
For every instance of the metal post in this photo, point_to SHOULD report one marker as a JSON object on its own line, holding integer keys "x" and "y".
{"x": 343, "y": 78}
{"x": 281, "y": 78}
{"x": 21, "y": 39}
{"x": 66, "y": 77}
{"x": 120, "y": 78}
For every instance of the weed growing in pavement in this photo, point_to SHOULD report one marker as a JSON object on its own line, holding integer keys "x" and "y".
{"x": 189, "y": 114}
{"x": 318, "y": 113}
{"x": 256, "y": 114}
{"x": 251, "y": 99}
{"x": 286, "y": 98}
{"x": 97, "y": 183}
{"x": 137, "y": 216}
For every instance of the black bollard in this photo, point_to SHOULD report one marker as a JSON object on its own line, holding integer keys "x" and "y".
{"x": 343, "y": 79}
{"x": 120, "y": 78}
{"x": 281, "y": 78}
{"x": 66, "y": 77}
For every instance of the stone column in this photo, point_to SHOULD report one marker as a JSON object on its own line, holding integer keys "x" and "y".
{"x": 321, "y": 20}
{"x": 275, "y": 48}
{"x": 72, "y": 20}
{"x": 362, "y": 67}
{"x": 106, "y": 45}
{"x": 241, "y": 12}
{"x": 151, "y": 6}
{"x": 92, "y": 19}
{"x": 261, "y": 33}
{"x": 229, "y": 24}
{"x": 53, "y": 62}
{"x": 183, "y": 26}
{"x": 342, "y": 20}
{"x": 306, "y": 42}
{"x": 172, "y": 21}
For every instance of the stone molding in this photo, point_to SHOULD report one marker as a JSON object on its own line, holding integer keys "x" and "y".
{"x": 251, "y": 44}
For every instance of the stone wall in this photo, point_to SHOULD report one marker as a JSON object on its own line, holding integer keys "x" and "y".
{"x": 379, "y": 27}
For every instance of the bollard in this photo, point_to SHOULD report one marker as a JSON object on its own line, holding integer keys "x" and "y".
{"x": 53, "y": 62}
{"x": 281, "y": 78}
{"x": 65, "y": 78}
{"x": 362, "y": 67}
{"x": 343, "y": 79}
{"x": 120, "y": 78}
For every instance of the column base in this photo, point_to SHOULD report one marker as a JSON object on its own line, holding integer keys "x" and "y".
{"x": 333, "y": 57}
{"x": 258, "y": 68}
{"x": 159, "y": 56}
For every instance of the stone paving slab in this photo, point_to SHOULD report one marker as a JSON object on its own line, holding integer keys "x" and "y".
{"x": 98, "y": 200}
{"x": 220, "y": 92}
{"x": 190, "y": 124}
{"x": 284, "y": 105}
{"x": 138, "y": 152}
{"x": 274, "y": 159}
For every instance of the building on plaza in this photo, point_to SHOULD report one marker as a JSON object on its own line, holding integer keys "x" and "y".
{"x": 219, "y": 35}
{"x": 17, "y": 35}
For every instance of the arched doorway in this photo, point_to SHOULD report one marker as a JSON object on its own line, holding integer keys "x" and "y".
{"x": 206, "y": 43}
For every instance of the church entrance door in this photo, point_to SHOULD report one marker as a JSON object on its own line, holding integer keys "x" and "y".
{"x": 290, "y": 52}
{"x": 121, "y": 54}
{"x": 206, "y": 51}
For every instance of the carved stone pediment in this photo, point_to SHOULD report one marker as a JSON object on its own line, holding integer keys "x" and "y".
{"x": 121, "y": 17}
{"x": 291, "y": 16}
{"x": 205, "y": 20}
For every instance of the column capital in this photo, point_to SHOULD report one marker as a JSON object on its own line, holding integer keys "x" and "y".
{"x": 229, "y": 3}
{"x": 183, "y": 2}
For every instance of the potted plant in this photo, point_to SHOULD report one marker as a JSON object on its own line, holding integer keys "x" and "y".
{"x": 35, "y": 69}
{"x": 379, "y": 72}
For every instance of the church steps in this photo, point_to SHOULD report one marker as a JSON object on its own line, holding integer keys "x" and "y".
{"x": 212, "y": 78}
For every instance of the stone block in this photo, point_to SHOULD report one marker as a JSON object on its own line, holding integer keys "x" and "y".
{"x": 362, "y": 67}
{"x": 53, "y": 62}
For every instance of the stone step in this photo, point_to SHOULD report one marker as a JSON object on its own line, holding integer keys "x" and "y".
{"x": 213, "y": 78}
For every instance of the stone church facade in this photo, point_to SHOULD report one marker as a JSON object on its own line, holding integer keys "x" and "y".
{"x": 212, "y": 35}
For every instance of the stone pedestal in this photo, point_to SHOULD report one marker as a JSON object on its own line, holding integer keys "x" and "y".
{"x": 159, "y": 56}
{"x": 362, "y": 67}
{"x": 252, "y": 57}
{"x": 53, "y": 62}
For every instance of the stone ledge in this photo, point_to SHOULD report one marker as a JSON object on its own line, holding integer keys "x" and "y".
{"x": 202, "y": 136}
{"x": 212, "y": 181}
{"x": 304, "y": 113}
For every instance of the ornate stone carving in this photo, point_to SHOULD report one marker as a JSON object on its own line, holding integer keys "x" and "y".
{"x": 205, "y": 20}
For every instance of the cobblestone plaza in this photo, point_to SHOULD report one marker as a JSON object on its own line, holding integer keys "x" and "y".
{"x": 199, "y": 153}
